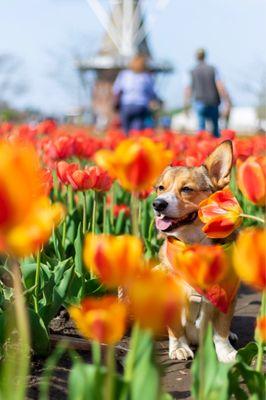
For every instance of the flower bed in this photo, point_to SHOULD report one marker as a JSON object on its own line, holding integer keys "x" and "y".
{"x": 76, "y": 226}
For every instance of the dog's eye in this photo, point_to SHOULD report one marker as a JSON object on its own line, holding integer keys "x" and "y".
{"x": 161, "y": 187}
{"x": 186, "y": 189}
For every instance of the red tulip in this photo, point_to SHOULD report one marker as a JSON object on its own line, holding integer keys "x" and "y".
{"x": 82, "y": 180}
{"x": 64, "y": 170}
{"x": 103, "y": 181}
{"x": 47, "y": 181}
{"x": 220, "y": 213}
{"x": 251, "y": 179}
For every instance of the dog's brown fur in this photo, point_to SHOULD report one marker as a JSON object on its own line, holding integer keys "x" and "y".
{"x": 202, "y": 182}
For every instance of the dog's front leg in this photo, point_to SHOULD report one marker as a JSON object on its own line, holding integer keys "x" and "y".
{"x": 221, "y": 323}
{"x": 178, "y": 345}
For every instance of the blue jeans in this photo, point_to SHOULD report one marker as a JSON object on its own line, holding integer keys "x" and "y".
{"x": 207, "y": 113}
{"x": 134, "y": 117}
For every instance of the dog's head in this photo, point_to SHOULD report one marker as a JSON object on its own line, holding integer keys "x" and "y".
{"x": 181, "y": 189}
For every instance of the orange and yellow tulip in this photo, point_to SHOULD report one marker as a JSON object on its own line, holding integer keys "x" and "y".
{"x": 261, "y": 328}
{"x": 251, "y": 179}
{"x": 200, "y": 265}
{"x": 27, "y": 216}
{"x": 102, "y": 320}
{"x": 207, "y": 269}
{"x": 114, "y": 259}
{"x": 221, "y": 214}
{"x": 250, "y": 257}
{"x": 136, "y": 162}
{"x": 156, "y": 299}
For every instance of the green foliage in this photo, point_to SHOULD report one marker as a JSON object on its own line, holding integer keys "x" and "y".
{"x": 214, "y": 383}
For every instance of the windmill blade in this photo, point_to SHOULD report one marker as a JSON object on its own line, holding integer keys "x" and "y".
{"x": 105, "y": 20}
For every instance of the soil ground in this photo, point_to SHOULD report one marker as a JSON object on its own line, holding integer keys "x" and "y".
{"x": 176, "y": 378}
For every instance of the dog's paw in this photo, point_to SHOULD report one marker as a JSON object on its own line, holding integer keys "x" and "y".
{"x": 233, "y": 337}
{"x": 181, "y": 354}
{"x": 224, "y": 350}
{"x": 179, "y": 349}
{"x": 226, "y": 357}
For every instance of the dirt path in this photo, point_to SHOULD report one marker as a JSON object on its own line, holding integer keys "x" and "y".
{"x": 177, "y": 376}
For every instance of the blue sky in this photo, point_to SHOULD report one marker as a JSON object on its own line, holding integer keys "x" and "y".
{"x": 40, "y": 31}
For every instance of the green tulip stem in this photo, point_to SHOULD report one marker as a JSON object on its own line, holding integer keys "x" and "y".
{"x": 110, "y": 364}
{"x": 130, "y": 361}
{"x": 94, "y": 219}
{"x": 23, "y": 355}
{"x": 96, "y": 353}
{"x": 260, "y": 342}
{"x": 202, "y": 332}
{"x": 70, "y": 199}
{"x": 37, "y": 281}
{"x": 253, "y": 217}
{"x": 135, "y": 214}
{"x": 104, "y": 214}
{"x": 84, "y": 216}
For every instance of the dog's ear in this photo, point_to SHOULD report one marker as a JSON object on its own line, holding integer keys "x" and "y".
{"x": 219, "y": 164}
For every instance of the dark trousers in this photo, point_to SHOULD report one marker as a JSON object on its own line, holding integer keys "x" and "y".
{"x": 133, "y": 117}
{"x": 207, "y": 113}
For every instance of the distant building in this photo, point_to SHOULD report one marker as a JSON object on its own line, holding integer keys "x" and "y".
{"x": 125, "y": 36}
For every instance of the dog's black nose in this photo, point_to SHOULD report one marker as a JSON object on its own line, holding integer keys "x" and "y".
{"x": 159, "y": 204}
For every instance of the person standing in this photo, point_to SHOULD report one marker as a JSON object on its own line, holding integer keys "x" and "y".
{"x": 134, "y": 94}
{"x": 206, "y": 91}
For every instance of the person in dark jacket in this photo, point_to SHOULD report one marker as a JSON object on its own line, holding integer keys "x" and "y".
{"x": 206, "y": 90}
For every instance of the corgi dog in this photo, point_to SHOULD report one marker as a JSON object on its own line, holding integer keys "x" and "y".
{"x": 179, "y": 192}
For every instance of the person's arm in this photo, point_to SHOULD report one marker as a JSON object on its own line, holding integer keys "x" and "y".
{"x": 117, "y": 86}
{"x": 223, "y": 93}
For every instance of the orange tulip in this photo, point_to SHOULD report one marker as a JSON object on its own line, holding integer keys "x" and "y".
{"x": 261, "y": 328}
{"x": 27, "y": 217}
{"x": 29, "y": 236}
{"x": 156, "y": 299}
{"x": 136, "y": 162}
{"x": 114, "y": 259}
{"x": 250, "y": 257}
{"x": 251, "y": 179}
{"x": 207, "y": 269}
{"x": 221, "y": 214}
{"x": 102, "y": 320}
{"x": 201, "y": 265}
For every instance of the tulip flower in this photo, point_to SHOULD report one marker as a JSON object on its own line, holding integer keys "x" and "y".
{"x": 114, "y": 259}
{"x": 251, "y": 179}
{"x": 136, "y": 163}
{"x": 118, "y": 208}
{"x": 102, "y": 320}
{"x": 29, "y": 236}
{"x": 201, "y": 266}
{"x": 207, "y": 269}
{"x": 47, "y": 181}
{"x": 103, "y": 181}
{"x": 261, "y": 328}
{"x": 250, "y": 257}
{"x": 81, "y": 180}
{"x": 221, "y": 214}
{"x": 156, "y": 299}
{"x": 64, "y": 170}
{"x": 27, "y": 217}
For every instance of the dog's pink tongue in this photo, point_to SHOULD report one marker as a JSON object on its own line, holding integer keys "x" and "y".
{"x": 163, "y": 224}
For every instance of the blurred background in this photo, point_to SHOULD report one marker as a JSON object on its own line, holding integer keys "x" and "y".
{"x": 59, "y": 58}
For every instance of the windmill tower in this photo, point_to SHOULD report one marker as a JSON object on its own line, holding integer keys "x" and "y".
{"x": 125, "y": 35}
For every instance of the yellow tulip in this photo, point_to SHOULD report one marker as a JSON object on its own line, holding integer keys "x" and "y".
{"x": 136, "y": 163}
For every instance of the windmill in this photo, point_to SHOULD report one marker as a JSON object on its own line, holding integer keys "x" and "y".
{"x": 125, "y": 35}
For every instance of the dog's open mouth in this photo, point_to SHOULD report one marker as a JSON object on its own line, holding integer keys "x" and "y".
{"x": 167, "y": 224}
